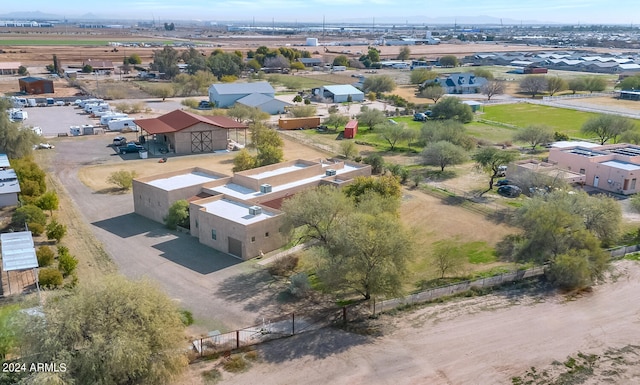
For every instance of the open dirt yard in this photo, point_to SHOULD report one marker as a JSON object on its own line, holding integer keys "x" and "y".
{"x": 482, "y": 341}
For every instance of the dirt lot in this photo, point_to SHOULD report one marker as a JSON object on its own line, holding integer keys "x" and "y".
{"x": 487, "y": 340}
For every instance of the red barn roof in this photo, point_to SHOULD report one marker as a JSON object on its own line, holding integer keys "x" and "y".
{"x": 179, "y": 120}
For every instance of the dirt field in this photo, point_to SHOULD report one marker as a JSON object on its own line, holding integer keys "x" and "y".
{"x": 486, "y": 340}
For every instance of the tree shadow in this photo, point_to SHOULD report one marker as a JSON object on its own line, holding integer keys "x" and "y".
{"x": 317, "y": 344}
{"x": 257, "y": 290}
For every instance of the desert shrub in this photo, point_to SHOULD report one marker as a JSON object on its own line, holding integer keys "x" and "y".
{"x": 283, "y": 266}
{"x": 299, "y": 285}
{"x": 45, "y": 256}
{"x": 187, "y": 317}
{"x": 212, "y": 376}
{"x": 635, "y": 202}
{"x": 56, "y": 230}
{"x": 178, "y": 215}
{"x": 67, "y": 263}
{"x": 190, "y": 102}
{"x": 236, "y": 364}
{"x": 122, "y": 179}
{"x": 50, "y": 278}
{"x": 35, "y": 228}
{"x": 29, "y": 214}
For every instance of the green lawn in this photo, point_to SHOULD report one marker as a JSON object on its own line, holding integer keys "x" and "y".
{"x": 563, "y": 120}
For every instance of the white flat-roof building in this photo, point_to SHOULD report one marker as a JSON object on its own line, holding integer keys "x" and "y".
{"x": 238, "y": 214}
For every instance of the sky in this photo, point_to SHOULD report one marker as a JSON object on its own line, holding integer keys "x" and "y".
{"x": 336, "y": 11}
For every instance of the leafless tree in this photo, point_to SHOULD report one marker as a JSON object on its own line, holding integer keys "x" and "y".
{"x": 493, "y": 87}
{"x": 533, "y": 84}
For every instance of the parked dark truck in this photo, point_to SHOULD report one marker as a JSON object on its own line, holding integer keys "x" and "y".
{"x": 130, "y": 147}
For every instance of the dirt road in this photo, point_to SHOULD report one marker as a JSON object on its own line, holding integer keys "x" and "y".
{"x": 486, "y": 340}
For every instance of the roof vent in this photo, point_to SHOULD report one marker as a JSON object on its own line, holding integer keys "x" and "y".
{"x": 265, "y": 188}
{"x": 330, "y": 172}
{"x": 255, "y": 210}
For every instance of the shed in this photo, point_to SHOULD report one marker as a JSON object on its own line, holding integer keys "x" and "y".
{"x": 9, "y": 188}
{"x": 340, "y": 93}
{"x": 19, "y": 254}
{"x": 475, "y": 106}
{"x": 351, "y": 129}
{"x": 32, "y": 85}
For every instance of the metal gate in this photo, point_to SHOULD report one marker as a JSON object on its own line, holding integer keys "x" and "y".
{"x": 201, "y": 141}
{"x": 235, "y": 247}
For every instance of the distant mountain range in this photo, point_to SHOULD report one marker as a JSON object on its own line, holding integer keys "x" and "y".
{"x": 460, "y": 20}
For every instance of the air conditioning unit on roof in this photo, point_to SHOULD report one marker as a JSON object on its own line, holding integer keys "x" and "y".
{"x": 255, "y": 210}
{"x": 330, "y": 172}
{"x": 265, "y": 188}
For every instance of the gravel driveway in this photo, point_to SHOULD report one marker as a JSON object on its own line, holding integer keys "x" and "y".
{"x": 219, "y": 289}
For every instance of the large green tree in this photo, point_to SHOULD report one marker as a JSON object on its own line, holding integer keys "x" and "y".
{"x": 110, "y": 331}
{"x": 534, "y": 134}
{"x": 607, "y": 127}
{"x": 225, "y": 64}
{"x": 433, "y": 92}
{"x": 451, "y": 107}
{"x": 316, "y": 213}
{"x": 378, "y": 84}
{"x": 371, "y": 117}
{"x": 166, "y": 61}
{"x": 14, "y": 141}
{"x": 178, "y": 215}
{"x": 336, "y": 120}
{"x": 556, "y": 84}
{"x": 489, "y": 160}
{"x": 449, "y": 61}
{"x": 446, "y": 130}
{"x": 630, "y": 83}
{"x": 369, "y": 255}
{"x": 443, "y": 154}
{"x": 420, "y": 75}
{"x": 566, "y": 231}
{"x": 393, "y": 134}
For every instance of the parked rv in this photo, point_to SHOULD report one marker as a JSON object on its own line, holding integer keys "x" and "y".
{"x": 31, "y": 103}
{"x": 122, "y": 124}
{"x": 106, "y": 118}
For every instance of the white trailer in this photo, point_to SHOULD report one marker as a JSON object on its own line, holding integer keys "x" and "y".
{"x": 18, "y": 115}
{"x": 106, "y": 118}
{"x": 31, "y": 103}
{"x": 122, "y": 124}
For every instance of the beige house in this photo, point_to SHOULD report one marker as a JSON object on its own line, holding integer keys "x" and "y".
{"x": 183, "y": 132}
{"x": 614, "y": 168}
{"x": 239, "y": 214}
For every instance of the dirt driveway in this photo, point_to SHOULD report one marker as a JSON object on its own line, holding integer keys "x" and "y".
{"x": 487, "y": 340}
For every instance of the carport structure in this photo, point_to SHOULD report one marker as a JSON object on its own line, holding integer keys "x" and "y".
{"x": 183, "y": 132}
{"x": 19, "y": 256}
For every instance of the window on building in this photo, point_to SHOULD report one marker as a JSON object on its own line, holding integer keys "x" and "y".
{"x": 583, "y": 171}
{"x": 196, "y": 223}
{"x": 253, "y": 239}
{"x": 633, "y": 184}
{"x": 266, "y": 235}
{"x": 214, "y": 234}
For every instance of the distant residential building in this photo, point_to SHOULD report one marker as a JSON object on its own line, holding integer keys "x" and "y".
{"x": 9, "y": 68}
{"x": 9, "y": 188}
{"x": 459, "y": 83}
